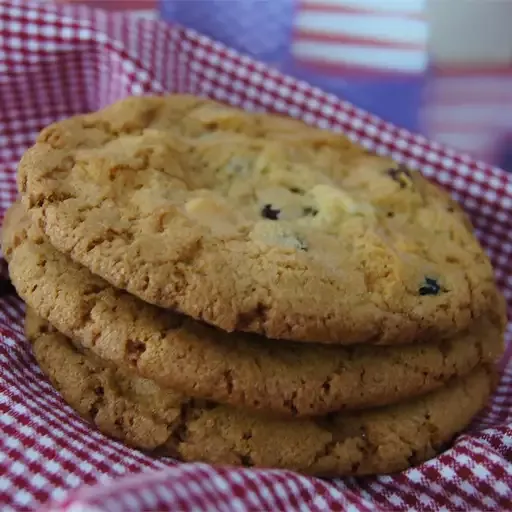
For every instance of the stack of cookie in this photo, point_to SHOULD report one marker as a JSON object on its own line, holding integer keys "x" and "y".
{"x": 240, "y": 288}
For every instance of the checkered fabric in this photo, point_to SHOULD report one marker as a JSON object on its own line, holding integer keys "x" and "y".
{"x": 59, "y": 61}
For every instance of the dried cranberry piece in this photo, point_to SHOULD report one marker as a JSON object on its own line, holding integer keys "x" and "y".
{"x": 309, "y": 210}
{"x": 270, "y": 213}
{"x": 430, "y": 287}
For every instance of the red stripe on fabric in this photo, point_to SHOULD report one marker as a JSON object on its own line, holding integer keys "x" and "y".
{"x": 469, "y": 98}
{"x": 305, "y": 5}
{"x": 448, "y": 125}
{"x": 323, "y": 37}
{"x": 351, "y": 71}
{"x": 469, "y": 71}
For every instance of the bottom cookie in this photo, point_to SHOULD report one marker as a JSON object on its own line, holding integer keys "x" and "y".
{"x": 145, "y": 416}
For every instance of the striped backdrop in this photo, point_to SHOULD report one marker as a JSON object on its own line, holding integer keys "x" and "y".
{"x": 361, "y": 35}
{"x": 471, "y": 110}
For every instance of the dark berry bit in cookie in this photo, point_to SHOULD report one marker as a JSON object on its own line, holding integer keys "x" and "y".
{"x": 296, "y": 190}
{"x": 430, "y": 287}
{"x": 270, "y": 213}
{"x": 301, "y": 244}
{"x": 309, "y": 210}
{"x": 401, "y": 175}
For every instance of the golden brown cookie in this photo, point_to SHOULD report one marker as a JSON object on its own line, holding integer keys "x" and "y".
{"x": 256, "y": 223}
{"x": 145, "y": 416}
{"x": 238, "y": 369}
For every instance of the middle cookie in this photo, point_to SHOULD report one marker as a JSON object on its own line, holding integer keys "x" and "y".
{"x": 236, "y": 368}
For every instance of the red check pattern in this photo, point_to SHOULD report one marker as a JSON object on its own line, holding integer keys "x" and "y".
{"x": 59, "y": 61}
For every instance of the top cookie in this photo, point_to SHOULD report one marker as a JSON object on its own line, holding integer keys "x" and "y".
{"x": 255, "y": 223}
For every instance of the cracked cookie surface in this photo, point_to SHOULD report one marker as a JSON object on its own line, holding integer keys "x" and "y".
{"x": 293, "y": 379}
{"x": 145, "y": 416}
{"x": 255, "y": 223}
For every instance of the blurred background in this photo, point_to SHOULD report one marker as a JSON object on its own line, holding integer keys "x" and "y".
{"x": 439, "y": 67}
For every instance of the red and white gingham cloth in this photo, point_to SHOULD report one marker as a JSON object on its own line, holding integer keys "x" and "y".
{"x": 56, "y": 62}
